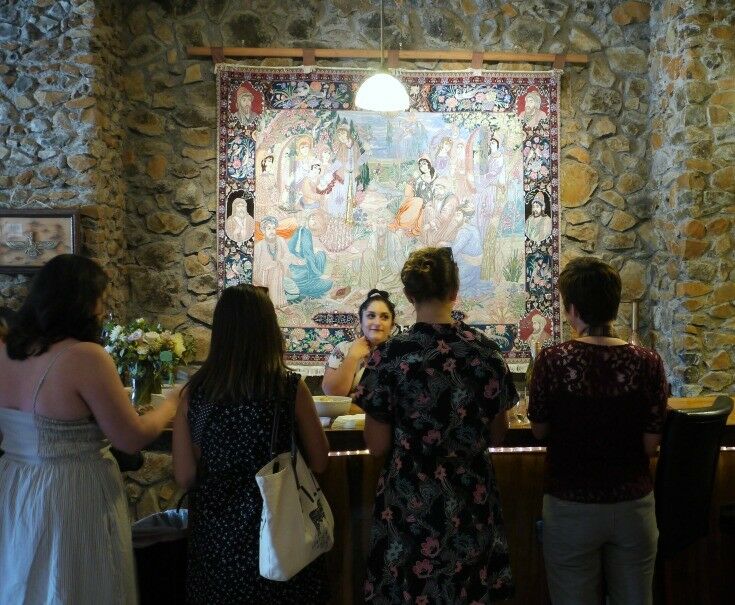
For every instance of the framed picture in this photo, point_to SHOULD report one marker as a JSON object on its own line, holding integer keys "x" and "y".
{"x": 31, "y": 237}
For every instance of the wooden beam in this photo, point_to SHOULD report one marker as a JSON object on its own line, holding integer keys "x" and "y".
{"x": 403, "y": 55}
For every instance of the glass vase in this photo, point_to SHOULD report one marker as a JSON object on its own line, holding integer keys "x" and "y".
{"x": 142, "y": 378}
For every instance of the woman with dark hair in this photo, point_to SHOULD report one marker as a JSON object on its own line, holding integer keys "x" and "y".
{"x": 222, "y": 436}
{"x": 346, "y": 363}
{"x": 436, "y": 398}
{"x": 65, "y": 532}
{"x": 600, "y": 402}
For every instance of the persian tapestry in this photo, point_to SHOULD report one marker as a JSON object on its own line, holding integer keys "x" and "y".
{"x": 321, "y": 202}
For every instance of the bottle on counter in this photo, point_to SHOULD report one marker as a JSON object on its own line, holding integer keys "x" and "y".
{"x": 521, "y": 408}
{"x": 529, "y": 370}
{"x": 634, "y": 337}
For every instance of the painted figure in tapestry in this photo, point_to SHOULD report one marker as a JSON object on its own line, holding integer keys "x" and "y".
{"x": 266, "y": 189}
{"x": 467, "y": 250}
{"x": 443, "y": 158}
{"x": 239, "y": 226}
{"x": 308, "y": 276}
{"x": 540, "y": 333}
{"x": 247, "y": 102}
{"x": 532, "y": 114}
{"x": 312, "y": 197}
{"x": 538, "y": 224}
{"x": 296, "y": 164}
{"x": 331, "y": 182}
{"x": 440, "y": 221}
{"x": 271, "y": 261}
{"x": 347, "y": 153}
{"x": 417, "y": 194}
{"x": 488, "y": 180}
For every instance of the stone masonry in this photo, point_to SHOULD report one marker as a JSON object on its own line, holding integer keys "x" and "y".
{"x": 693, "y": 187}
{"x": 647, "y": 138}
{"x": 61, "y": 125}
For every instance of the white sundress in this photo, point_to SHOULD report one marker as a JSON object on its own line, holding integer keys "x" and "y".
{"x": 65, "y": 534}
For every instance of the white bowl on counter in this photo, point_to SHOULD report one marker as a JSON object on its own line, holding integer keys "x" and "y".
{"x": 331, "y": 406}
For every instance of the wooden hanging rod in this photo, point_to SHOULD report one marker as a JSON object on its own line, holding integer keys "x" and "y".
{"x": 408, "y": 55}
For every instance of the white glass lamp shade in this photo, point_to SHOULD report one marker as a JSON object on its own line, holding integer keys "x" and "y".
{"x": 382, "y": 92}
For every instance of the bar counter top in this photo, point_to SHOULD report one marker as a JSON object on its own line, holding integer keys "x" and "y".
{"x": 519, "y": 436}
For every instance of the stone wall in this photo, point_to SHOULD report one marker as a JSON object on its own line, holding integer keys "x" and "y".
{"x": 61, "y": 128}
{"x": 646, "y": 139}
{"x": 693, "y": 179}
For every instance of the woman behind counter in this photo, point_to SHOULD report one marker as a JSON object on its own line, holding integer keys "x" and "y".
{"x": 222, "y": 437}
{"x": 346, "y": 363}
{"x": 64, "y": 525}
{"x": 436, "y": 397}
{"x": 600, "y": 402}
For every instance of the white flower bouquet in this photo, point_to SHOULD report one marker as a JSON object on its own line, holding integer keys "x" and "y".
{"x": 139, "y": 341}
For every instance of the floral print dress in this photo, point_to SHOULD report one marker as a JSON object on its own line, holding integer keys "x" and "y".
{"x": 438, "y": 535}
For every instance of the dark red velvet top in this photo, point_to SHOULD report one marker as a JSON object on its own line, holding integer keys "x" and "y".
{"x": 598, "y": 401}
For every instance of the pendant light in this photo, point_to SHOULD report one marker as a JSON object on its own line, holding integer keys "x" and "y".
{"x": 382, "y": 91}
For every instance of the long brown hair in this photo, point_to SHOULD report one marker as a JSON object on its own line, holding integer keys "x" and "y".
{"x": 245, "y": 358}
{"x": 61, "y": 304}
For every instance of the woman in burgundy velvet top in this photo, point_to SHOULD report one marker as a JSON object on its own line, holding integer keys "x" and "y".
{"x": 600, "y": 404}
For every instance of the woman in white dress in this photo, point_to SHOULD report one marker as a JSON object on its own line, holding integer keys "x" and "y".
{"x": 64, "y": 528}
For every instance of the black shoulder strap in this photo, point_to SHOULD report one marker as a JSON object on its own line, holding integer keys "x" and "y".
{"x": 293, "y": 386}
{"x": 274, "y": 429}
{"x": 289, "y": 398}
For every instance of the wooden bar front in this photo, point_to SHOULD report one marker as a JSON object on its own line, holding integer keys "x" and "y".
{"x": 350, "y": 481}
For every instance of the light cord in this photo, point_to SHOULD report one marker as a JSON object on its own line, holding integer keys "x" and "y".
{"x": 381, "y": 34}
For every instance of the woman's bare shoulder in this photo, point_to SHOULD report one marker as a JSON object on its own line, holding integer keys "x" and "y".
{"x": 86, "y": 354}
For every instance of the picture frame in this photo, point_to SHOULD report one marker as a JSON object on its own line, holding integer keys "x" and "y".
{"x": 29, "y": 238}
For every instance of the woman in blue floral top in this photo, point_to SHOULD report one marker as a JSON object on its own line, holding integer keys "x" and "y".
{"x": 436, "y": 398}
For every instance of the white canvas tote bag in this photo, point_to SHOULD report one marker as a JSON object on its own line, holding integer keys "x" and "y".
{"x": 296, "y": 525}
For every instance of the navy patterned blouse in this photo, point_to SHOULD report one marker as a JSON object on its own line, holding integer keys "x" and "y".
{"x": 437, "y": 534}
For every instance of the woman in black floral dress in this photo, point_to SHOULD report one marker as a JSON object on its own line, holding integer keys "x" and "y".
{"x": 222, "y": 435}
{"x": 436, "y": 397}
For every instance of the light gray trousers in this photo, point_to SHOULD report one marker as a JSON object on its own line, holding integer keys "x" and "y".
{"x": 583, "y": 540}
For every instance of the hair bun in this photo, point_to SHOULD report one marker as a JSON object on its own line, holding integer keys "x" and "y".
{"x": 430, "y": 273}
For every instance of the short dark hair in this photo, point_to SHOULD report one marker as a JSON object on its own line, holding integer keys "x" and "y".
{"x": 380, "y": 295}
{"x": 61, "y": 304}
{"x": 593, "y": 287}
{"x": 246, "y": 353}
{"x": 430, "y": 274}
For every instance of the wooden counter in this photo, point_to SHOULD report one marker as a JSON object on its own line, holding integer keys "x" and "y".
{"x": 350, "y": 480}
{"x": 519, "y": 435}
